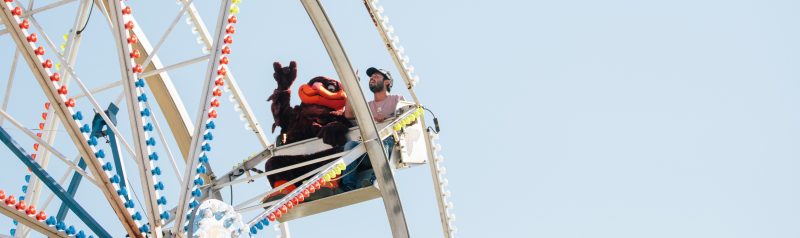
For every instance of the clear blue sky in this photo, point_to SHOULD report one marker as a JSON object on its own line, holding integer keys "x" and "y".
{"x": 559, "y": 118}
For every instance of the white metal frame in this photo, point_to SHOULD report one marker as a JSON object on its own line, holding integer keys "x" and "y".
{"x": 357, "y": 102}
{"x": 63, "y": 112}
{"x": 202, "y": 116}
{"x": 147, "y": 179}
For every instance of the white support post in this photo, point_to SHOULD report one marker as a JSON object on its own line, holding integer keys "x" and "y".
{"x": 10, "y": 83}
{"x": 357, "y": 102}
{"x": 100, "y": 89}
{"x": 30, "y": 12}
{"x": 46, "y": 7}
{"x": 190, "y": 173}
{"x": 174, "y": 66}
{"x": 52, "y": 123}
{"x": 136, "y": 114}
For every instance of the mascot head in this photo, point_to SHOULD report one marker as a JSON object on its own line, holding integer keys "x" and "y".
{"x": 323, "y": 91}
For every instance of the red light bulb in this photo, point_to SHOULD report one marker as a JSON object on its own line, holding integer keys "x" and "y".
{"x": 55, "y": 78}
{"x": 70, "y": 102}
{"x": 32, "y": 37}
{"x": 39, "y": 51}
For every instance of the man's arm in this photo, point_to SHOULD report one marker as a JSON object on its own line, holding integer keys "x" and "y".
{"x": 347, "y": 113}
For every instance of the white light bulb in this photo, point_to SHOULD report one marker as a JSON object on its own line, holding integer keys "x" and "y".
{"x": 389, "y": 36}
{"x": 231, "y": 98}
{"x": 444, "y": 182}
{"x": 410, "y": 69}
{"x": 242, "y": 117}
{"x": 439, "y": 158}
{"x": 194, "y": 30}
{"x": 437, "y": 147}
{"x": 451, "y": 217}
{"x": 446, "y": 193}
{"x": 236, "y": 107}
{"x": 405, "y": 58}
{"x": 188, "y": 20}
{"x": 206, "y": 50}
{"x": 248, "y": 127}
{"x": 390, "y": 30}
{"x": 415, "y": 80}
{"x": 400, "y": 50}
{"x": 385, "y": 21}
{"x": 379, "y": 9}
{"x": 199, "y": 40}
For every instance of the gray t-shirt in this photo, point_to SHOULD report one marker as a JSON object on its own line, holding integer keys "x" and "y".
{"x": 385, "y": 108}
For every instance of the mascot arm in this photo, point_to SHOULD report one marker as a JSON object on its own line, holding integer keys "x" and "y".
{"x": 281, "y": 98}
{"x": 281, "y": 111}
{"x": 335, "y": 133}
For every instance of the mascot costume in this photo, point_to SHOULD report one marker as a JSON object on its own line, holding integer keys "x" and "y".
{"x": 320, "y": 114}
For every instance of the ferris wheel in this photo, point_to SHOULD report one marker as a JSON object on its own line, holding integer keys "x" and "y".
{"x": 80, "y": 137}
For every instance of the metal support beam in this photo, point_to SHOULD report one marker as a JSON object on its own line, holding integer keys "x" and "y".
{"x": 175, "y": 66}
{"x": 10, "y": 83}
{"x": 112, "y": 139}
{"x": 357, "y": 102}
{"x": 65, "y": 113}
{"x": 135, "y": 109}
{"x": 47, "y": 7}
{"x": 97, "y": 130}
{"x": 31, "y": 222}
{"x": 202, "y": 118}
{"x": 71, "y": 190}
{"x": 38, "y": 10}
{"x": 52, "y": 123}
{"x": 52, "y": 184}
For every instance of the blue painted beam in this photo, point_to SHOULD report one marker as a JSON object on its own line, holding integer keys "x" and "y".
{"x": 115, "y": 152}
{"x": 97, "y": 130}
{"x": 71, "y": 190}
{"x": 52, "y": 184}
{"x": 100, "y": 129}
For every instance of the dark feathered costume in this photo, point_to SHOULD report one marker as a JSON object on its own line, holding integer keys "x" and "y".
{"x": 320, "y": 114}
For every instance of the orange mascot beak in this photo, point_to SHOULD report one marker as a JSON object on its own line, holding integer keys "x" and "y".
{"x": 319, "y": 95}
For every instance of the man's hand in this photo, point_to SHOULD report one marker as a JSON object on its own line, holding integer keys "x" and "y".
{"x": 378, "y": 118}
